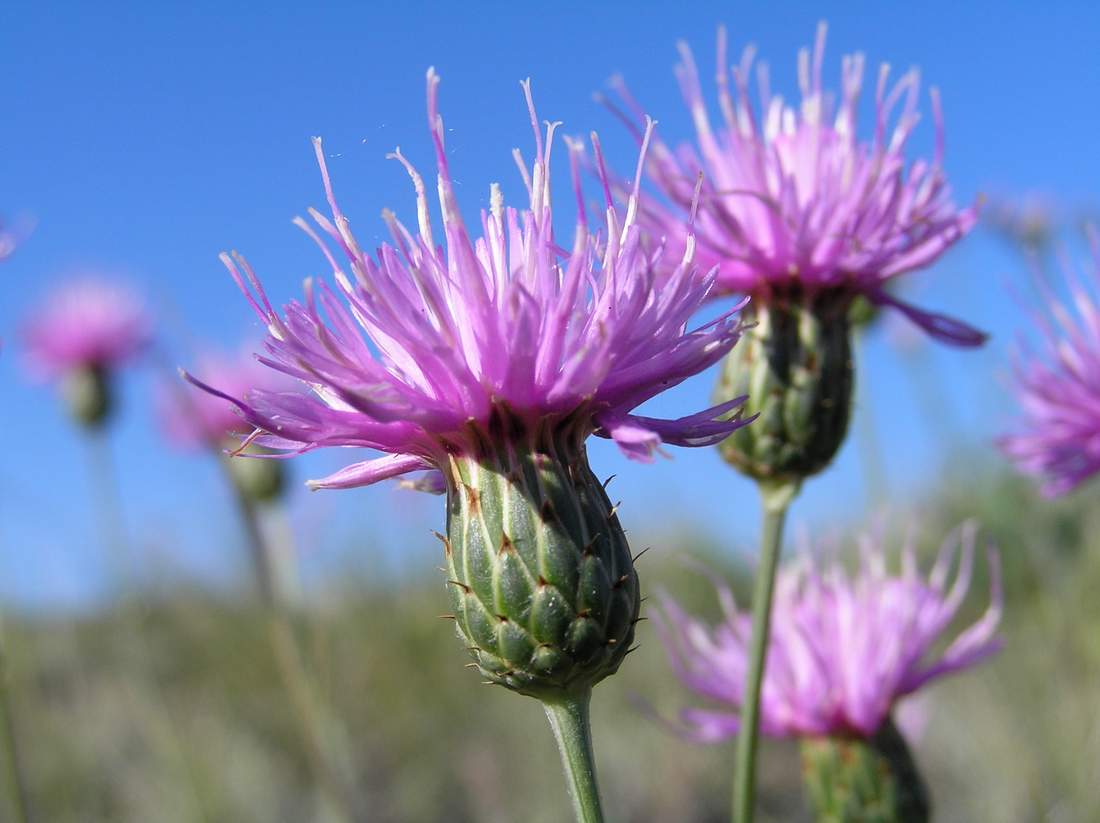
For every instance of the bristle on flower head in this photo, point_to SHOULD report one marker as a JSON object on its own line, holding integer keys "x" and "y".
{"x": 792, "y": 198}
{"x": 844, "y": 648}
{"x": 420, "y": 340}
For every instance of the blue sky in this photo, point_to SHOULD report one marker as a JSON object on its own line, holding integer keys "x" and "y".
{"x": 144, "y": 140}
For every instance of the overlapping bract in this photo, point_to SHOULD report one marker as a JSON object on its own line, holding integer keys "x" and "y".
{"x": 793, "y": 198}
{"x": 88, "y": 323}
{"x": 844, "y": 648}
{"x": 1058, "y": 384}
{"x": 419, "y": 341}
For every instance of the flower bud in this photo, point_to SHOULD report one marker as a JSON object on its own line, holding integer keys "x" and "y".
{"x": 542, "y": 582}
{"x": 795, "y": 366}
{"x": 855, "y": 779}
{"x": 86, "y": 392}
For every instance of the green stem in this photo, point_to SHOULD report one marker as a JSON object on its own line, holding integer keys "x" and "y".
{"x": 570, "y": 721}
{"x": 316, "y": 726}
{"x": 776, "y": 499}
{"x": 17, "y": 784}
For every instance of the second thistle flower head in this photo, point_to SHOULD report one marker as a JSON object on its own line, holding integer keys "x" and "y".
{"x": 793, "y": 200}
{"x": 1058, "y": 439}
{"x": 844, "y": 648}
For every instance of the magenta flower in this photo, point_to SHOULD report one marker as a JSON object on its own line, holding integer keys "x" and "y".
{"x": 1059, "y": 388}
{"x": 793, "y": 198}
{"x": 197, "y": 419}
{"x": 420, "y": 345}
{"x": 87, "y": 324}
{"x": 844, "y": 648}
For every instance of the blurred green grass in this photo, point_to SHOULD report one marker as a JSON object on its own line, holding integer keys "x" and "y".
{"x": 166, "y": 706}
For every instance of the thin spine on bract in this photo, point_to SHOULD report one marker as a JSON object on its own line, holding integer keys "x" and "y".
{"x": 543, "y": 586}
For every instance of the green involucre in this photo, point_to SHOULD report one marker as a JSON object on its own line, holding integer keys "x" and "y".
{"x": 795, "y": 365}
{"x": 851, "y": 780}
{"x": 542, "y": 582}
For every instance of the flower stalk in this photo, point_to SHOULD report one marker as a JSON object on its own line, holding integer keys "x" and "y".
{"x": 776, "y": 499}
{"x": 316, "y": 726}
{"x": 14, "y": 775}
{"x": 569, "y": 718}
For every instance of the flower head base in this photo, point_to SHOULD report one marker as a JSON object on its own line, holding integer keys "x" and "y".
{"x": 84, "y": 332}
{"x": 792, "y": 198}
{"x": 1059, "y": 438}
{"x": 843, "y": 649}
{"x": 508, "y": 323}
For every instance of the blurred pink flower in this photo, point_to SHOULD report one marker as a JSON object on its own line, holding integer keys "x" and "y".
{"x": 1058, "y": 384}
{"x": 844, "y": 648}
{"x": 88, "y": 323}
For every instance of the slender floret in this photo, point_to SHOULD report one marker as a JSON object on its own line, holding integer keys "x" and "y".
{"x": 420, "y": 346}
{"x": 793, "y": 199}
{"x": 844, "y": 648}
{"x": 1058, "y": 381}
{"x": 196, "y": 419}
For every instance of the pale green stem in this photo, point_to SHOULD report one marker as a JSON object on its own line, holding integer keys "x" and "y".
{"x": 776, "y": 500}
{"x": 108, "y": 501}
{"x": 569, "y": 718}
{"x": 16, "y": 781}
{"x": 316, "y": 725}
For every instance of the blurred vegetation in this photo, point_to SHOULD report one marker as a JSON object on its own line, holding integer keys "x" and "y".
{"x": 167, "y": 706}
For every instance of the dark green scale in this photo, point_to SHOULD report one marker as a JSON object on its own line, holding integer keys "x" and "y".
{"x": 795, "y": 365}
{"x": 542, "y": 582}
{"x": 851, "y": 780}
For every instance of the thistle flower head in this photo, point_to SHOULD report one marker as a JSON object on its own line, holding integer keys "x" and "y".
{"x": 793, "y": 198}
{"x": 844, "y": 648}
{"x": 1058, "y": 439}
{"x": 419, "y": 345}
{"x": 86, "y": 324}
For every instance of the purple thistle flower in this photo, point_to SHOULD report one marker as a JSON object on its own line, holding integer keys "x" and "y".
{"x": 844, "y": 648}
{"x": 1059, "y": 387}
{"x": 88, "y": 324}
{"x": 420, "y": 345}
{"x": 196, "y": 419}
{"x": 793, "y": 199}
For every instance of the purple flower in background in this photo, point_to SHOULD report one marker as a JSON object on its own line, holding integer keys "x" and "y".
{"x": 792, "y": 199}
{"x": 197, "y": 419}
{"x": 1058, "y": 439}
{"x": 7, "y": 241}
{"x": 421, "y": 345}
{"x": 844, "y": 647}
{"x": 87, "y": 324}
